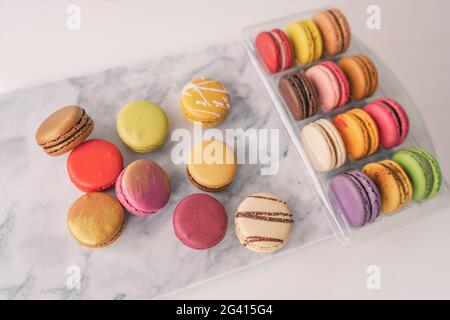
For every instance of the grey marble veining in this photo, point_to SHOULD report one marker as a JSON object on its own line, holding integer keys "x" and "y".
{"x": 147, "y": 261}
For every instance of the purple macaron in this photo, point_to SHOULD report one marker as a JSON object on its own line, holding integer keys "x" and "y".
{"x": 200, "y": 221}
{"x": 143, "y": 187}
{"x": 356, "y": 197}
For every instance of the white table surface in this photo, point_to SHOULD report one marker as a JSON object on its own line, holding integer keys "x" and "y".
{"x": 36, "y": 47}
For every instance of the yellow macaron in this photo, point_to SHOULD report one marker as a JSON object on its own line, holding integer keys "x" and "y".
{"x": 212, "y": 166}
{"x": 206, "y": 101}
{"x": 306, "y": 40}
{"x": 142, "y": 126}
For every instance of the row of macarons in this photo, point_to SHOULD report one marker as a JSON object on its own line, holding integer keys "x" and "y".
{"x": 263, "y": 221}
{"x": 355, "y": 134}
{"x": 386, "y": 186}
{"x": 305, "y": 41}
{"x": 328, "y": 85}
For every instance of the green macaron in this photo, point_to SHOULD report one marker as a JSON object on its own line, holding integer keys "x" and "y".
{"x": 423, "y": 170}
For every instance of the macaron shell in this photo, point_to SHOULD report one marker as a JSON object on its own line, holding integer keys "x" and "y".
{"x": 212, "y": 165}
{"x": 392, "y": 182}
{"x": 362, "y": 75}
{"x": 263, "y": 223}
{"x": 200, "y": 221}
{"x": 336, "y": 139}
{"x": 328, "y": 88}
{"x": 418, "y": 171}
{"x": 344, "y": 85}
{"x": 306, "y": 40}
{"x": 287, "y": 54}
{"x": 206, "y": 101}
{"x": 94, "y": 165}
{"x": 63, "y": 130}
{"x": 372, "y": 191}
{"x": 95, "y": 220}
{"x": 318, "y": 147}
{"x": 143, "y": 126}
{"x": 435, "y": 168}
{"x": 269, "y": 51}
{"x": 299, "y": 94}
{"x": 143, "y": 187}
{"x": 353, "y": 134}
{"x": 350, "y": 200}
{"x": 370, "y": 127}
{"x": 335, "y": 31}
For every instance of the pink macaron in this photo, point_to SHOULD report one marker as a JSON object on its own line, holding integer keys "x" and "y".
{"x": 200, "y": 221}
{"x": 331, "y": 83}
{"x": 275, "y": 50}
{"x": 391, "y": 119}
{"x": 143, "y": 187}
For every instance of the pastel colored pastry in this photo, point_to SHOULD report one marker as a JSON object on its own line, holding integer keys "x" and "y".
{"x": 391, "y": 119}
{"x": 212, "y": 166}
{"x": 200, "y": 221}
{"x": 143, "y": 187}
{"x": 356, "y": 197}
{"x": 359, "y": 133}
{"x": 335, "y": 31}
{"x": 306, "y": 40}
{"x": 96, "y": 220}
{"x": 263, "y": 223}
{"x": 143, "y": 126}
{"x": 275, "y": 50}
{"x": 299, "y": 94}
{"x": 395, "y": 187}
{"x": 331, "y": 83}
{"x": 323, "y": 145}
{"x": 64, "y": 130}
{"x": 94, "y": 165}
{"x": 423, "y": 170}
{"x": 362, "y": 74}
{"x": 205, "y": 101}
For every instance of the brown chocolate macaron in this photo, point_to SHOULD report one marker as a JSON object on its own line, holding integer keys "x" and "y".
{"x": 362, "y": 74}
{"x": 299, "y": 94}
{"x": 63, "y": 130}
{"x": 335, "y": 31}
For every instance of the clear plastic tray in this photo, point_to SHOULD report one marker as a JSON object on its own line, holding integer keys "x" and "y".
{"x": 389, "y": 86}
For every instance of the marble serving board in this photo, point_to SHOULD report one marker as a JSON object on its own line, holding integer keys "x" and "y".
{"x": 38, "y": 257}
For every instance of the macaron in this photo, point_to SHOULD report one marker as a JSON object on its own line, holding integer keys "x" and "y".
{"x": 391, "y": 119}
{"x": 142, "y": 126}
{"x": 143, "y": 187}
{"x": 335, "y": 31}
{"x": 94, "y": 165}
{"x": 263, "y": 223}
{"x": 422, "y": 169}
{"x": 306, "y": 40}
{"x": 356, "y": 197}
{"x": 323, "y": 145}
{"x": 275, "y": 50}
{"x": 359, "y": 133}
{"x": 63, "y": 130}
{"x": 212, "y": 166}
{"x": 299, "y": 94}
{"x": 393, "y": 183}
{"x": 95, "y": 220}
{"x": 200, "y": 221}
{"x": 205, "y": 101}
{"x": 331, "y": 83}
{"x": 362, "y": 74}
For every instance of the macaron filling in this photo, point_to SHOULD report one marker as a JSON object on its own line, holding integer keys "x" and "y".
{"x": 281, "y": 49}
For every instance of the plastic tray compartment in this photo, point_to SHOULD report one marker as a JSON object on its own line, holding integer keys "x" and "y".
{"x": 389, "y": 86}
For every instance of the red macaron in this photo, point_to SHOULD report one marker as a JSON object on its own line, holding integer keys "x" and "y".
{"x": 275, "y": 50}
{"x": 200, "y": 221}
{"x": 94, "y": 165}
{"x": 391, "y": 119}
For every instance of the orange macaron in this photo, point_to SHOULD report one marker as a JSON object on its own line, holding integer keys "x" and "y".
{"x": 359, "y": 133}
